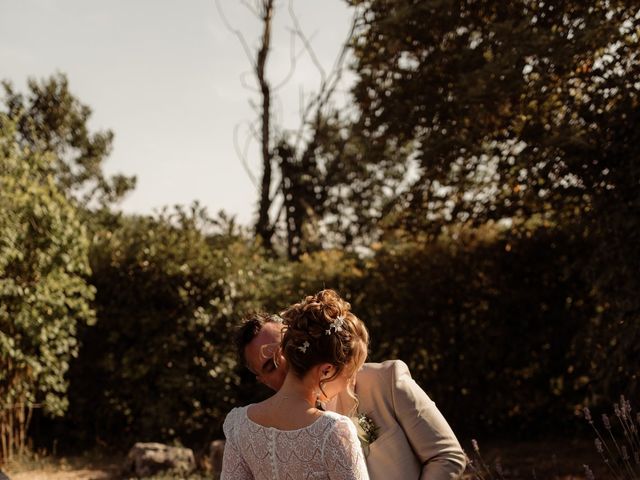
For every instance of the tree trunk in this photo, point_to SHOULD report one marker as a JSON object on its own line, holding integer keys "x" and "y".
{"x": 264, "y": 229}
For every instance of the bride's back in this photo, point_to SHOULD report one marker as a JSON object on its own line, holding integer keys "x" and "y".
{"x": 275, "y": 413}
{"x": 326, "y": 449}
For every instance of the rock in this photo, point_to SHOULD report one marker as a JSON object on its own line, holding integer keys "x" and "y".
{"x": 146, "y": 459}
{"x": 216, "y": 450}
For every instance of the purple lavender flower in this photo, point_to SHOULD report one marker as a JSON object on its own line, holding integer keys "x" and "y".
{"x": 605, "y": 420}
{"x": 588, "y": 473}
{"x": 599, "y": 446}
{"x": 616, "y": 410}
{"x": 476, "y": 447}
{"x": 587, "y": 414}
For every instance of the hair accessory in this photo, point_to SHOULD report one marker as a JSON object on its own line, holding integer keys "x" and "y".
{"x": 276, "y": 318}
{"x": 269, "y": 350}
{"x": 336, "y": 325}
{"x": 303, "y": 347}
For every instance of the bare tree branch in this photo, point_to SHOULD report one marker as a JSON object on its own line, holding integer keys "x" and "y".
{"x": 273, "y": 177}
{"x": 280, "y": 211}
{"x": 327, "y": 86}
{"x": 307, "y": 44}
{"x": 301, "y": 103}
{"x": 254, "y": 106}
{"x": 245, "y": 84}
{"x": 242, "y": 154}
{"x": 278, "y": 114}
{"x": 236, "y": 32}
{"x": 293, "y": 61}
{"x": 253, "y": 9}
{"x": 253, "y": 129}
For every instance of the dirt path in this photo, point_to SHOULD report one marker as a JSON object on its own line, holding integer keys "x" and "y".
{"x": 65, "y": 469}
{"x": 82, "y": 474}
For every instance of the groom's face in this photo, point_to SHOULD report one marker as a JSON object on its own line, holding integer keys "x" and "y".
{"x": 264, "y": 358}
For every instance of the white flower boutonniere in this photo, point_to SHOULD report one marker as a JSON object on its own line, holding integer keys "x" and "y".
{"x": 367, "y": 431}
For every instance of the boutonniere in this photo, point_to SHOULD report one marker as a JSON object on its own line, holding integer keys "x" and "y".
{"x": 367, "y": 431}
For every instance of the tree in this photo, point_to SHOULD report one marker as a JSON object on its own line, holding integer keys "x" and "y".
{"x": 505, "y": 101}
{"x": 44, "y": 294}
{"x": 317, "y": 187}
{"x": 49, "y": 118}
{"x": 521, "y": 111}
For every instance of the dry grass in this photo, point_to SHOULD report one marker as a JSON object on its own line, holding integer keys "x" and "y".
{"x": 550, "y": 459}
{"x": 85, "y": 467}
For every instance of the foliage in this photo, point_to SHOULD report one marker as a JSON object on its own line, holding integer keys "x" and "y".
{"x": 335, "y": 191}
{"x": 491, "y": 174}
{"x": 159, "y": 362}
{"x": 454, "y": 309}
{"x": 44, "y": 293}
{"x": 514, "y": 107}
{"x": 50, "y": 119}
{"x": 526, "y": 112}
{"x": 435, "y": 305}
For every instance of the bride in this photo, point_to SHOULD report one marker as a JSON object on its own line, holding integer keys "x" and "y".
{"x": 290, "y": 436}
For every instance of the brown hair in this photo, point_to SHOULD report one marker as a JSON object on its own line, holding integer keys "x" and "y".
{"x": 322, "y": 329}
{"x": 249, "y": 328}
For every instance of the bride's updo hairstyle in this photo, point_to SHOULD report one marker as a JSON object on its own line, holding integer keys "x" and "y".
{"x": 322, "y": 329}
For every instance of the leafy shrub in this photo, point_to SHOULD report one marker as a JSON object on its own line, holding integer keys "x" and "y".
{"x": 158, "y": 364}
{"x": 486, "y": 321}
{"x": 44, "y": 294}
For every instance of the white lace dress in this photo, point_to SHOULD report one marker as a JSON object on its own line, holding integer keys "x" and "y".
{"x": 327, "y": 449}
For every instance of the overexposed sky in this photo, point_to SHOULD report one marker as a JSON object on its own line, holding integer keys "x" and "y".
{"x": 164, "y": 75}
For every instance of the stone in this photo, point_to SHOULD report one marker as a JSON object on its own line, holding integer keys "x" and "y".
{"x": 146, "y": 459}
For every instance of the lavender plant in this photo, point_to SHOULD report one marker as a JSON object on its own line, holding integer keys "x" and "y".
{"x": 621, "y": 456}
{"x": 617, "y": 442}
{"x": 479, "y": 469}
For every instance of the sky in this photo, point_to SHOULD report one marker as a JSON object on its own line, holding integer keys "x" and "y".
{"x": 165, "y": 77}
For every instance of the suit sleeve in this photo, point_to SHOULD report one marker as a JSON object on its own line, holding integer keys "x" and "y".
{"x": 430, "y": 435}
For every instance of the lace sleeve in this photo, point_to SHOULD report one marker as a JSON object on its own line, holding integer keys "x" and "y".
{"x": 234, "y": 467}
{"x": 342, "y": 452}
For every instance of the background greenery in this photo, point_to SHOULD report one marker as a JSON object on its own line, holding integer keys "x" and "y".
{"x": 496, "y": 249}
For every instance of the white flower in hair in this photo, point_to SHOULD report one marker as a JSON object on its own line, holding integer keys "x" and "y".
{"x": 303, "y": 347}
{"x": 336, "y": 325}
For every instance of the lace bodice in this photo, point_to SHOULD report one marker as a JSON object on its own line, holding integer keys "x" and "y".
{"x": 327, "y": 449}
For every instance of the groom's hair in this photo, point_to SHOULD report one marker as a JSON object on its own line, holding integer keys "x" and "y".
{"x": 249, "y": 328}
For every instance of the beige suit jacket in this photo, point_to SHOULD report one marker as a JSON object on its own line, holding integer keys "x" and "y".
{"x": 414, "y": 440}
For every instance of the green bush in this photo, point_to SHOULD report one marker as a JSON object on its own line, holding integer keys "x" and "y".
{"x": 485, "y": 321}
{"x": 44, "y": 294}
{"x": 479, "y": 314}
{"x": 158, "y": 365}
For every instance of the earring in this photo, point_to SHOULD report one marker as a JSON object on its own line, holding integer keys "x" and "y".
{"x": 319, "y": 405}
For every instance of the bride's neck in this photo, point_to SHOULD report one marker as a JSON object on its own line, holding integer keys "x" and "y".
{"x": 297, "y": 389}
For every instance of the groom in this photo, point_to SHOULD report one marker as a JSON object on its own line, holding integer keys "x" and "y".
{"x": 414, "y": 440}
